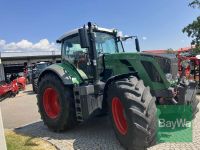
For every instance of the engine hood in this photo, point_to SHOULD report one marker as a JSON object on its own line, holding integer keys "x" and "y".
{"x": 168, "y": 62}
{"x": 147, "y": 68}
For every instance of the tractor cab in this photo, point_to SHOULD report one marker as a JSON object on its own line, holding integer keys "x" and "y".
{"x": 84, "y": 54}
{"x": 83, "y": 57}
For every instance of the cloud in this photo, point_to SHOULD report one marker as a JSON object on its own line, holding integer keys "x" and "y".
{"x": 25, "y": 45}
{"x": 2, "y": 42}
{"x": 144, "y": 38}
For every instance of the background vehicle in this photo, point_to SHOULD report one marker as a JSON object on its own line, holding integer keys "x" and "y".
{"x": 2, "y": 74}
{"x": 8, "y": 89}
{"x": 187, "y": 54}
{"x": 97, "y": 76}
{"x": 21, "y": 80}
{"x": 29, "y": 74}
{"x": 193, "y": 70}
{"x": 36, "y": 70}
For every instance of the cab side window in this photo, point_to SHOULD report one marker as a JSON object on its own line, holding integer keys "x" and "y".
{"x": 71, "y": 48}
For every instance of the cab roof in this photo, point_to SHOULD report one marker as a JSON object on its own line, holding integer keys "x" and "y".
{"x": 75, "y": 31}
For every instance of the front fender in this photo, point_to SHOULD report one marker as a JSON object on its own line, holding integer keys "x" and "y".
{"x": 115, "y": 78}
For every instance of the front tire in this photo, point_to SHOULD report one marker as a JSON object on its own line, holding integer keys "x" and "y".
{"x": 133, "y": 113}
{"x": 56, "y": 103}
{"x": 188, "y": 96}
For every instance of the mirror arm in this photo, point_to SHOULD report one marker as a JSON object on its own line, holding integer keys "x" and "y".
{"x": 122, "y": 46}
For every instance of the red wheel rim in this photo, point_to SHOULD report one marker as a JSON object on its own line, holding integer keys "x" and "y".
{"x": 119, "y": 116}
{"x": 51, "y": 103}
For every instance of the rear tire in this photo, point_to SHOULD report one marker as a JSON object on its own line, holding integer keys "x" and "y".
{"x": 57, "y": 110}
{"x": 133, "y": 113}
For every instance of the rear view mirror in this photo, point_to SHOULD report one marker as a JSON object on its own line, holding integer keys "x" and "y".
{"x": 137, "y": 45}
{"x": 84, "y": 39}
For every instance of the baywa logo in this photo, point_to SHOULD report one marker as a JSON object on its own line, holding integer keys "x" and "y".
{"x": 174, "y": 123}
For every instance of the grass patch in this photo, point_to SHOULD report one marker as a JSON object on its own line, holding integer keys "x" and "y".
{"x": 20, "y": 142}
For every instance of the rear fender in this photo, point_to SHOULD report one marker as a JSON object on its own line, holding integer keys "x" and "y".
{"x": 67, "y": 75}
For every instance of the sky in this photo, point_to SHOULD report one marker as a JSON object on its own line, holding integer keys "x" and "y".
{"x": 36, "y": 24}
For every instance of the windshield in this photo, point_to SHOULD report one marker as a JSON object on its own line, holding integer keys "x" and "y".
{"x": 107, "y": 43}
{"x": 129, "y": 45}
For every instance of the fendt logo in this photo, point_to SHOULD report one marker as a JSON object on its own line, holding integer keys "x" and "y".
{"x": 174, "y": 123}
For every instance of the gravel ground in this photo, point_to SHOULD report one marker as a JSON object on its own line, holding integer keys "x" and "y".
{"x": 98, "y": 134}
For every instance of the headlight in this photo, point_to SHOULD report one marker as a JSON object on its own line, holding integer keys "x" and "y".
{"x": 168, "y": 76}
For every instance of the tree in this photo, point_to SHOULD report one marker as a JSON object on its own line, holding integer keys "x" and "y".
{"x": 193, "y": 29}
{"x": 195, "y": 4}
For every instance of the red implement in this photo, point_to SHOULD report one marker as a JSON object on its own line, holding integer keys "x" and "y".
{"x": 8, "y": 89}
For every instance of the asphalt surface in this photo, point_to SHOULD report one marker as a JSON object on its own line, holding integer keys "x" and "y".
{"x": 20, "y": 110}
{"x": 96, "y": 134}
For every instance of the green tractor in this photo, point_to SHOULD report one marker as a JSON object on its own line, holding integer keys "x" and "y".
{"x": 98, "y": 77}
